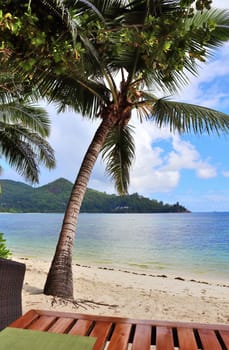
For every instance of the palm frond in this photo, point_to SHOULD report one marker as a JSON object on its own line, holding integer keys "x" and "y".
{"x": 44, "y": 152}
{"x": 25, "y": 150}
{"x": 218, "y": 18}
{"x": 60, "y": 8}
{"x": 82, "y": 95}
{"x": 18, "y": 154}
{"x": 112, "y": 10}
{"x": 17, "y": 102}
{"x": 30, "y": 115}
{"x": 93, "y": 6}
{"x": 137, "y": 11}
{"x": 118, "y": 153}
{"x": 23, "y": 126}
{"x": 184, "y": 117}
{"x": 197, "y": 49}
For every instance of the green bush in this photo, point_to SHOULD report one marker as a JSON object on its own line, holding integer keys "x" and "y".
{"x": 4, "y": 252}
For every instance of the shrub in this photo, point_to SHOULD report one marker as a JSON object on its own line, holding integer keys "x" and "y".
{"x": 4, "y": 252}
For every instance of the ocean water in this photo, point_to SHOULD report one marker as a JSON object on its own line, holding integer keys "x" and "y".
{"x": 195, "y": 244}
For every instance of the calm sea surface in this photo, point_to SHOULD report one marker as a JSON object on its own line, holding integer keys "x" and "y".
{"x": 196, "y": 244}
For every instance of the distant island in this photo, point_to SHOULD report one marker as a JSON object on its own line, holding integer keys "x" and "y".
{"x": 18, "y": 197}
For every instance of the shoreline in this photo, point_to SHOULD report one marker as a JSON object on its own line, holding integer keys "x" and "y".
{"x": 138, "y": 270}
{"x": 127, "y": 293}
{"x": 207, "y": 280}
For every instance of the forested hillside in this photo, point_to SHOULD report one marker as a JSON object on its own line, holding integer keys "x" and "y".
{"x": 53, "y": 197}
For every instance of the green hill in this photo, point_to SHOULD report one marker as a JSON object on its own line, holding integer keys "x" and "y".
{"x": 53, "y": 197}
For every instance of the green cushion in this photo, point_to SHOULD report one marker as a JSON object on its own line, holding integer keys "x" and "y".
{"x": 23, "y": 339}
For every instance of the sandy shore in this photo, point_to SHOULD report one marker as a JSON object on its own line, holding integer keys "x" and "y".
{"x": 131, "y": 294}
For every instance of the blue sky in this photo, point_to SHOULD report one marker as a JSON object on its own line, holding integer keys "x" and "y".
{"x": 193, "y": 170}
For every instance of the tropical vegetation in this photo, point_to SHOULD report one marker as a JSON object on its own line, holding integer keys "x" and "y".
{"x": 106, "y": 59}
{"x": 53, "y": 198}
{"x": 4, "y": 251}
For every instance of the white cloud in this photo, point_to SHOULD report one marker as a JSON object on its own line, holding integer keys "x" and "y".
{"x": 225, "y": 173}
{"x": 206, "y": 171}
{"x": 157, "y": 170}
{"x": 70, "y": 138}
{"x": 154, "y": 181}
{"x": 220, "y": 4}
{"x": 185, "y": 156}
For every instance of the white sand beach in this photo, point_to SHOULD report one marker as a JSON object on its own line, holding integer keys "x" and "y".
{"x": 105, "y": 291}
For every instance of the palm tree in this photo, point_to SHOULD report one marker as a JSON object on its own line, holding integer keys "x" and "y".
{"x": 99, "y": 94}
{"x": 106, "y": 59}
{"x": 23, "y": 129}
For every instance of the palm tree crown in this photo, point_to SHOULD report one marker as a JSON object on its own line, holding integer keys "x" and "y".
{"x": 127, "y": 55}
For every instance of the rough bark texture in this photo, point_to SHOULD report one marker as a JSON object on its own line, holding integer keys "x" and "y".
{"x": 59, "y": 280}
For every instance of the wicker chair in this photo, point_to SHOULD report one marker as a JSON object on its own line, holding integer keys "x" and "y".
{"x": 11, "y": 282}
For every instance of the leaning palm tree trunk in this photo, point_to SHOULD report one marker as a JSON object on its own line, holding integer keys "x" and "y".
{"x": 59, "y": 280}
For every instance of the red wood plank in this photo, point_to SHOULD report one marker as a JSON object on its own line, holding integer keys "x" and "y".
{"x": 164, "y": 338}
{"x": 81, "y": 327}
{"x": 186, "y": 339}
{"x": 209, "y": 340}
{"x": 120, "y": 337}
{"x": 61, "y": 325}
{"x": 43, "y": 323}
{"x": 25, "y": 320}
{"x": 101, "y": 332}
{"x": 142, "y": 337}
{"x": 225, "y": 337}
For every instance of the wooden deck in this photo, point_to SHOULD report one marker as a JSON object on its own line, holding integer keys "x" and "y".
{"x": 115, "y": 333}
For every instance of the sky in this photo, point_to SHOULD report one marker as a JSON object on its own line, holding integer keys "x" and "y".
{"x": 192, "y": 170}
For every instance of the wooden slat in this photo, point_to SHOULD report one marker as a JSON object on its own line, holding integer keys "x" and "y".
{"x": 25, "y": 320}
{"x": 164, "y": 338}
{"x": 101, "y": 332}
{"x": 209, "y": 340}
{"x": 43, "y": 323}
{"x": 81, "y": 327}
{"x": 120, "y": 337}
{"x": 225, "y": 336}
{"x": 171, "y": 324}
{"x": 142, "y": 337}
{"x": 61, "y": 325}
{"x": 186, "y": 339}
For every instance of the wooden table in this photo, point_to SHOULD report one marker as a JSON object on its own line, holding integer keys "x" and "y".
{"x": 115, "y": 333}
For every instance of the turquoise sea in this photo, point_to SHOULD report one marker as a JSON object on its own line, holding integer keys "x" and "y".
{"x": 195, "y": 244}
